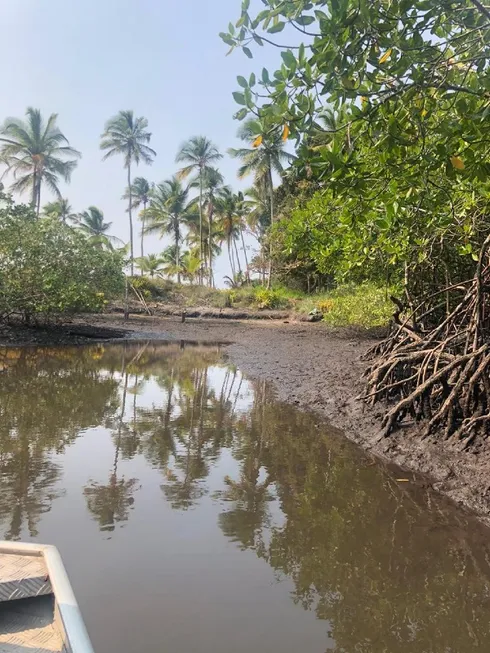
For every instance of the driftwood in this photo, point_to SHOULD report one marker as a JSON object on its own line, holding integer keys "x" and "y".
{"x": 437, "y": 371}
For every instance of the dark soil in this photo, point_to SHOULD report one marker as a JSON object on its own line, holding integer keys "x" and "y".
{"x": 66, "y": 334}
{"x": 312, "y": 366}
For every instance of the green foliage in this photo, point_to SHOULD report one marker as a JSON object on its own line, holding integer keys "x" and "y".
{"x": 271, "y": 298}
{"x": 91, "y": 224}
{"x": 364, "y": 305}
{"x": 388, "y": 103}
{"x": 59, "y": 209}
{"x": 152, "y": 288}
{"x": 48, "y": 269}
{"x": 151, "y": 264}
{"x": 259, "y": 297}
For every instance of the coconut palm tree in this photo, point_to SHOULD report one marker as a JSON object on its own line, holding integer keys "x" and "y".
{"x": 60, "y": 210}
{"x": 211, "y": 240}
{"x": 91, "y": 223}
{"x": 128, "y": 136}
{"x": 228, "y": 210}
{"x": 36, "y": 152}
{"x": 150, "y": 264}
{"x": 265, "y": 155}
{"x": 198, "y": 153}
{"x": 190, "y": 264}
{"x": 256, "y": 205}
{"x": 257, "y": 218}
{"x": 169, "y": 260}
{"x": 168, "y": 211}
{"x": 213, "y": 191}
{"x": 242, "y": 212}
{"x": 140, "y": 193}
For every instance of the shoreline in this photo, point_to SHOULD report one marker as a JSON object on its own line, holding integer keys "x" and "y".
{"x": 312, "y": 366}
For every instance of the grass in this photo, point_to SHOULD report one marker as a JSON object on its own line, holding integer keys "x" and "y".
{"x": 365, "y": 305}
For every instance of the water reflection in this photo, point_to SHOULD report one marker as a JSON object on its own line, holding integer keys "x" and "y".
{"x": 46, "y": 398}
{"x": 385, "y": 567}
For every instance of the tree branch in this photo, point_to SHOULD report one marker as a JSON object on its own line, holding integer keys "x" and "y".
{"x": 483, "y": 10}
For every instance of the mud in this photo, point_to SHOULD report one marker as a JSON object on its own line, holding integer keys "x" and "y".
{"x": 315, "y": 368}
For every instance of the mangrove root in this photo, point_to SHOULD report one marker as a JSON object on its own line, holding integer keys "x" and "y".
{"x": 434, "y": 367}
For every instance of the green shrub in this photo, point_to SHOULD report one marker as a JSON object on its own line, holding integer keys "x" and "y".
{"x": 363, "y": 305}
{"x": 49, "y": 269}
{"x": 152, "y": 288}
{"x": 273, "y": 298}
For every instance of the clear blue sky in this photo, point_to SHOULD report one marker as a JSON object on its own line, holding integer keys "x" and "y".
{"x": 88, "y": 59}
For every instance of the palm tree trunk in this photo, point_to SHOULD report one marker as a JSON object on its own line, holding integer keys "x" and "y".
{"x": 34, "y": 190}
{"x": 200, "y": 226}
{"x": 230, "y": 256}
{"x": 130, "y": 220}
{"x": 237, "y": 257}
{"x": 210, "y": 247}
{"x": 271, "y": 191}
{"x": 38, "y": 211}
{"x": 247, "y": 271}
{"x": 177, "y": 249}
{"x": 143, "y": 230}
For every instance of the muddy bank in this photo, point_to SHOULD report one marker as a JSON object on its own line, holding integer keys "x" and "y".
{"x": 315, "y": 368}
{"x": 66, "y": 334}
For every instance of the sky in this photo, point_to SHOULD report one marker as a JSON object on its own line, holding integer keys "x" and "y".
{"x": 86, "y": 60}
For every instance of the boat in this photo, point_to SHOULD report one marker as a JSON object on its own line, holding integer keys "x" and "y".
{"x": 38, "y": 609}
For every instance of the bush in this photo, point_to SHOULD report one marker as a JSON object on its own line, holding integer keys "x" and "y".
{"x": 263, "y": 298}
{"x": 152, "y": 288}
{"x": 49, "y": 269}
{"x": 364, "y": 305}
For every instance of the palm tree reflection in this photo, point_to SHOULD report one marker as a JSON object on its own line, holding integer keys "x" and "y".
{"x": 110, "y": 503}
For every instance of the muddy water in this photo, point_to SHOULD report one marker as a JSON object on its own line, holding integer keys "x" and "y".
{"x": 195, "y": 513}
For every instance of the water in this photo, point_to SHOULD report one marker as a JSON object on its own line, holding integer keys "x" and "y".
{"x": 195, "y": 513}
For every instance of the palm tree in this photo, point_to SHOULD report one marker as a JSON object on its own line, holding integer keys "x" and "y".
{"x": 169, "y": 209}
{"x": 150, "y": 264}
{"x": 128, "y": 136}
{"x": 190, "y": 264}
{"x": 242, "y": 224}
{"x": 199, "y": 153}
{"x": 211, "y": 240}
{"x": 256, "y": 204}
{"x": 140, "y": 192}
{"x": 36, "y": 152}
{"x": 171, "y": 268}
{"x": 91, "y": 223}
{"x": 265, "y": 156}
{"x": 60, "y": 210}
{"x": 214, "y": 190}
{"x": 257, "y": 216}
{"x": 228, "y": 209}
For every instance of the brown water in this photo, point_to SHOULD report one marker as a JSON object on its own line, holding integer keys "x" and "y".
{"x": 196, "y": 514}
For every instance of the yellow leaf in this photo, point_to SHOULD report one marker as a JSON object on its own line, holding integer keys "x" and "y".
{"x": 457, "y": 163}
{"x": 258, "y": 141}
{"x": 424, "y": 112}
{"x": 285, "y": 133}
{"x": 386, "y": 56}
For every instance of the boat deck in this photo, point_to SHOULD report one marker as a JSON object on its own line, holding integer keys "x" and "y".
{"x": 22, "y": 577}
{"x": 26, "y": 606}
{"x": 27, "y": 626}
